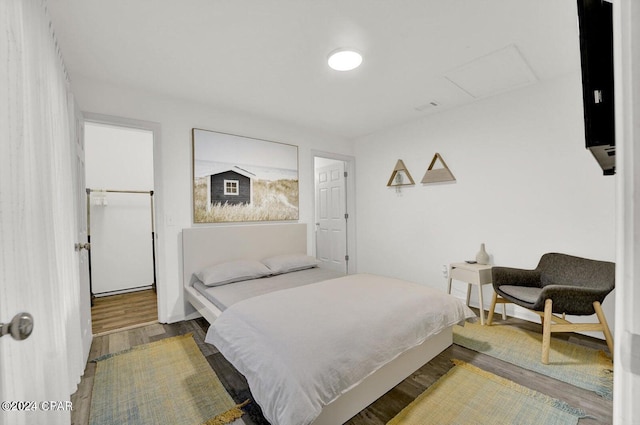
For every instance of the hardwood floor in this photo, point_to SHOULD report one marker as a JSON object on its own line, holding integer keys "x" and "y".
{"x": 378, "y": 413}
{"x": 123, "y": 311}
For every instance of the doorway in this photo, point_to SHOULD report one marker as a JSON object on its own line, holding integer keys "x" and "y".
{"x": 121, "y": 228}
{"x": 334, "y": 209}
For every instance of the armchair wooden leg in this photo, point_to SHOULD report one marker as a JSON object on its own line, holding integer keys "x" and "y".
{"x": 492, "y": 308}
{"x": 605, "y": 326}
{"x": 546, "y": 331}
{"x": 497, "y": 300}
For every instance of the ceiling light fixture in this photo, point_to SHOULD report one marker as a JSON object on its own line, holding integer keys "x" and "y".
{"x": 344, "y": 59}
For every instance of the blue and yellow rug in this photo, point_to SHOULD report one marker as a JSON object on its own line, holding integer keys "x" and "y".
{"x": 577, "y": 365}
{"x": 164, "y": 382}
{"x": 469, "y": 395}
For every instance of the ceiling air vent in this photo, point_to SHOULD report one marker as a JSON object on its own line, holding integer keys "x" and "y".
{"x": 426, "y": 106}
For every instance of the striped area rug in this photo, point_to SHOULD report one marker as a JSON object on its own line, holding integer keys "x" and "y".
{"x": 163, "y": 382}
{"x": 577, "y": 365}
{"x": 468, "y": 395}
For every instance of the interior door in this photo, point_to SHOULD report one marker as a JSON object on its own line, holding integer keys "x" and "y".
{"x": 37, "y": 229}
{"x": 331, "y": 219}
{"x": 82, "y": 245}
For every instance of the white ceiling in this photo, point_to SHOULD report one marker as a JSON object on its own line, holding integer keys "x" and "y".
{"x": 268, "y": 57}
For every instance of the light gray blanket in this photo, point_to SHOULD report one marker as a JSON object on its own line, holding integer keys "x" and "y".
{"x": 302, "y": 348}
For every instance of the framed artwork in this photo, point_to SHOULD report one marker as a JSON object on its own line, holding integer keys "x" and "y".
{"x": 238, "y": 179}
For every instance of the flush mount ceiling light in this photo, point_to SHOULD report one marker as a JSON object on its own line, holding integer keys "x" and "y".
{"x": 344, "y": 59}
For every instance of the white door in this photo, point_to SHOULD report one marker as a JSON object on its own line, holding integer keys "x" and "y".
{"x": 38, "y": 264}
{"x": 331, "y": 218}
{"x": 82, "y": 240}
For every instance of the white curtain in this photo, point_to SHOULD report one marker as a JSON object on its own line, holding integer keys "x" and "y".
{"x": 38, "y": 265}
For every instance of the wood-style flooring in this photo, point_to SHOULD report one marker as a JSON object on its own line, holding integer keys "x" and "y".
{"x": 379, "y": 412}
{"x": 115, "y": 312}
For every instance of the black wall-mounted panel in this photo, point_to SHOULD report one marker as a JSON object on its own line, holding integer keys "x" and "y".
{"x": 596, "y": 52}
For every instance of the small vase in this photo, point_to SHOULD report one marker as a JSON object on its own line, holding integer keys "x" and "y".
{"x": 482, "y": 257}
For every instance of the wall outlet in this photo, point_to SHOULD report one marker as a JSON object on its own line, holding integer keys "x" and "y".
{"x": 445, "y": 271}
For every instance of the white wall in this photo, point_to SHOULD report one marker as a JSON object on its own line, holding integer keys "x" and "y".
{"x": 525, "y": 185}
{"x": 119, "y": 158}
{"x": 172, "y": 161}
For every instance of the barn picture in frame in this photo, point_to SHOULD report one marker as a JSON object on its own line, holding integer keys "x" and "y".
{"x": 237, "y": 179}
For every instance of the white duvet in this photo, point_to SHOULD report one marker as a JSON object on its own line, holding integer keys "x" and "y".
{"x": 301, "y": 348}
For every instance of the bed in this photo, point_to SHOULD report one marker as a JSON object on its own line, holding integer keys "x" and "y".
{"x": 292, "y": 346}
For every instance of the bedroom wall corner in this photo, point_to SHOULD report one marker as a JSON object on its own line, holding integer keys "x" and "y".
{"x": 525, "y": 185}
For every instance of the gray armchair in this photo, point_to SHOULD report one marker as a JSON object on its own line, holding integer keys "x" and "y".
{"x": 560, "y": 284}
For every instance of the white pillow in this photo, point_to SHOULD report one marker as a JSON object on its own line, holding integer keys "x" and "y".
{"x": 290, "y": 263}
{"x": 232, "y": 271}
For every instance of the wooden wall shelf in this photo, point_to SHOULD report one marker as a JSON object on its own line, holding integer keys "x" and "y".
{"x": 397, "y": 177}
{"x": 438, "y": 175}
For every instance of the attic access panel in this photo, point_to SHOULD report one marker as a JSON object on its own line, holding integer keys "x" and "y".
{"x": 400, "y": 175}
{"x": 438, "y": 175}
{"x": 494, "y": 73}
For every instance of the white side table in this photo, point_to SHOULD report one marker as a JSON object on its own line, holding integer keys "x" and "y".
{"x": 473, "y": 274}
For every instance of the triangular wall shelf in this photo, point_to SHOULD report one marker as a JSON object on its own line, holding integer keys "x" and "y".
{"x": 397, "y": 177}
{"x": 438, "y": 175}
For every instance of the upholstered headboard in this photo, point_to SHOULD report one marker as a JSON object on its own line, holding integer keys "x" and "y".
{"x": 204, "y": 246}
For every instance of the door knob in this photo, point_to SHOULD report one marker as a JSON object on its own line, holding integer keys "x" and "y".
{"x": 80, "y": 246}
{"x": 19, "y": 328}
